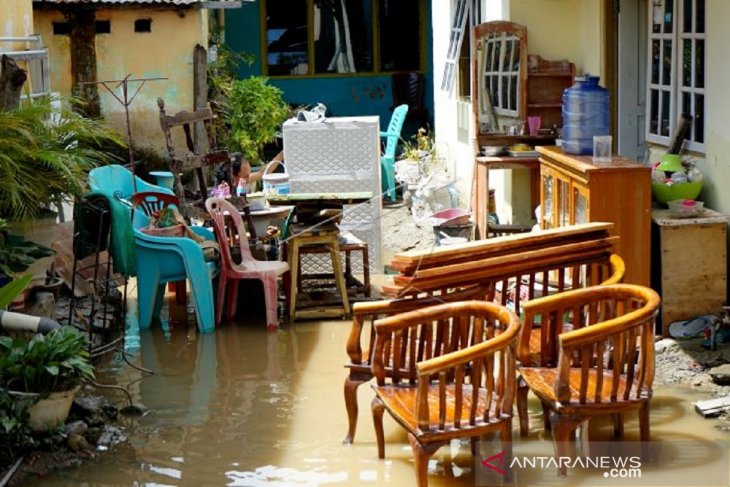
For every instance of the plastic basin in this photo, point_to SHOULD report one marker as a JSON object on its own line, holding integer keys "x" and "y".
{"x": 677, "y": 191}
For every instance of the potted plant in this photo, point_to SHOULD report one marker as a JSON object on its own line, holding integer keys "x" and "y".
{"x": 47, "y": 368}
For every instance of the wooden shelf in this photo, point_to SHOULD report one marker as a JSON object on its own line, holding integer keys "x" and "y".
{"x": 550, "y": 74}
{"x": 544, "y": 105}
{"x": 546, "y": 82}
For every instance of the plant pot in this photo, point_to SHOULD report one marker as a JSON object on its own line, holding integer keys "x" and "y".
{"x": 51, "y": 412}
{"x": 52, "y": 287}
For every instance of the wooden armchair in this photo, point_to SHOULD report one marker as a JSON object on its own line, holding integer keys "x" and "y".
{"x": 361, "y": 341}
{"x": 605, "y": 357}
{"x": 502, "y": 270}
{"x": 457, "y": 382}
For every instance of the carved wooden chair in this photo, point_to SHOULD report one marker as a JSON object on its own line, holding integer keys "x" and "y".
{"x": 605, "y": 357}
{"x": 458, "y": 381}
{"x": 361, "y": 341}
{"x": 201, "y": 151}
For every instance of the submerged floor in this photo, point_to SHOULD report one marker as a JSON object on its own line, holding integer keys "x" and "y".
{"x": 245, "y": 407}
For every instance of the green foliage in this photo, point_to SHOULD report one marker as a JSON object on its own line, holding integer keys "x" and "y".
{"x": 46, "y": 155}
{"x": 257, "y": 109}
{"x": 48, "y": 363}
{"x": 422, "y": 146}
{"x": 10, "y": 290}
{"x": 16, "y": 253}
{"x": 15, "y": 434}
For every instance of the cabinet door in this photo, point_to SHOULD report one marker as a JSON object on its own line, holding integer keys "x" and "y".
{"x": 547, "y": 198}
{"x": 565, "y": 201}
{"x": 581, "y": 212}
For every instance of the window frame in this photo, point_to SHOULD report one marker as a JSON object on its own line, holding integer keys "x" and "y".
{"x": 675, "y": 87}
{"x": 422, "y": 59}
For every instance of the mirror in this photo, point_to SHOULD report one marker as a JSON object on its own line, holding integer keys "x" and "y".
{"x": 499, "y": 70}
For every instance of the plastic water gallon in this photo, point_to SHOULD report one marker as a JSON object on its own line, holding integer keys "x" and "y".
{"x": 585, "y": 114}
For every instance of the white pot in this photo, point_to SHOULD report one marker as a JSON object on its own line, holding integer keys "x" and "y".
{"x": 52, "y": 411}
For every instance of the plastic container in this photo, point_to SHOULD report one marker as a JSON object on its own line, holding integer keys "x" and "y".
{"x": 685, "y": 208}
{"x": 664, "y": 193}
{"x": 451, "y": 232}
{"x": 585, "y": 114}
{"x": 276, "y": 183}
{"x": 163, "y": 178}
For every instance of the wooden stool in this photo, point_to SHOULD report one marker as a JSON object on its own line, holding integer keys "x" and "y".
{"x": 351, "y": 244}
{"x": 324, "y": 237}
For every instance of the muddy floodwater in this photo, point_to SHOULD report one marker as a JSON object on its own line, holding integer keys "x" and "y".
{"x": 245, "y": 407}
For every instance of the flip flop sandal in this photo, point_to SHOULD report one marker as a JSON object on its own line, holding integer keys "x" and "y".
{"x": 690, "y": 328}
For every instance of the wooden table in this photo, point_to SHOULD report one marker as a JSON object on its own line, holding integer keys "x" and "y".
{"x": 480, "y": 195}
{"x": 688, "y": 265}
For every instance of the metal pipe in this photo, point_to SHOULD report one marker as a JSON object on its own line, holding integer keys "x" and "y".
{"x": 33, "y": 38}
{"x": 22, "y": 322}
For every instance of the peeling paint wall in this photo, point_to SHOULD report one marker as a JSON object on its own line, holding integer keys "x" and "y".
{"x": 16, "y": 20}
{"x": 166, "y": 51}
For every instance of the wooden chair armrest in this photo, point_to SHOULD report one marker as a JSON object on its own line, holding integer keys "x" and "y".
{"x": 618, "y": 270}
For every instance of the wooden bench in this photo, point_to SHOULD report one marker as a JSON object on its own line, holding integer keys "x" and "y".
{"x": 508, "y": 270}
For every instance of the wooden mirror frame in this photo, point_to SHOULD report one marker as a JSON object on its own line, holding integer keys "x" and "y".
{"x": 480, "y": 34}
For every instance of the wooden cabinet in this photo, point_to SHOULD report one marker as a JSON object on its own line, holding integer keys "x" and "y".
{"x": 574, "y": 190}
{"x": 688, "y": 265}
{"x": 546, "y": 81}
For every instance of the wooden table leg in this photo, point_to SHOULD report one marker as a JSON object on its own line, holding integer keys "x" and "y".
{"x": 294, "y": 276}
{"x": 339, "y": 275}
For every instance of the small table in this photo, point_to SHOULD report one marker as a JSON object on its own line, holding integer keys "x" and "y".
{"x": 480, "y": 196}
{"x": 688, "y": 267}
{"x": 313, "y": 231}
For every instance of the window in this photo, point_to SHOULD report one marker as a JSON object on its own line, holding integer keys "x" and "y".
{"x": 143, "y": 25}
{"x": 103, "y": 26}
{"x": 61, "y": 28}
{"x": 317, "y": 37}
{"x": 676, "y": 82}
{"x": 464, "y": 64}
{"x": 502, "y": 72}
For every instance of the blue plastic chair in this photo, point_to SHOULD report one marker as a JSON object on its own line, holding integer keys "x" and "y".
{"x": 387, "y": 160}
{"x": 159, "y": 260}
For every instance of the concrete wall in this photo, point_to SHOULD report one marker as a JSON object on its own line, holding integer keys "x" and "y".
{"x": 167, "y": 51}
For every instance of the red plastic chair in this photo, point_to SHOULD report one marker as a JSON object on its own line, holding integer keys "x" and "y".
{"x": 249, "y": 268}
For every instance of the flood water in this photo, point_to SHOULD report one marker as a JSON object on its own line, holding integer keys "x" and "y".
{"x": 245, "y": 407}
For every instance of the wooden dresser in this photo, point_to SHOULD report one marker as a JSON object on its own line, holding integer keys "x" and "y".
{"x": 575, "y": 190}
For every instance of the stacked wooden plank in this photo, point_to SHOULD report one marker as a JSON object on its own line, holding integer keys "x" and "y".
{"x": 560, "y": 258}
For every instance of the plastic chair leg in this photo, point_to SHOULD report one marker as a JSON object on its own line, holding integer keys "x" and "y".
{"x": 221, "y": 298}
{"x": 203, "y": 301}
{"x": 389, "y": 180}
{"x": 159, "y": 299}
{"x": 147, "y": 290}
{"x": 270, "y": 296}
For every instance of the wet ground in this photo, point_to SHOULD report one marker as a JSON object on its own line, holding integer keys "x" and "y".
{"x": 245, "y": 407}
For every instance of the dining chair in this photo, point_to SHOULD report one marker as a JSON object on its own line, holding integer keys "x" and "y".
{"x": 458, "y": 381}
{"x": 387, "y": 160}
{"x": 605, "y": 358}
{"x": 267, "y": 272}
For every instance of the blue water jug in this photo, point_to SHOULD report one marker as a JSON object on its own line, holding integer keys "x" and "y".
{"x": 585, "y": 114}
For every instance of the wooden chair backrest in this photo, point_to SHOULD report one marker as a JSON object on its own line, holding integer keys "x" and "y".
{"x": 198, "y": 155}
{"x": 611, "y": 331}
{"x": 465, "y": 347}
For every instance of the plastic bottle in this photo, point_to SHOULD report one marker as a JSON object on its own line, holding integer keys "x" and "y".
{"x": 585, "y": 114}
{"x": 241, "y": 188}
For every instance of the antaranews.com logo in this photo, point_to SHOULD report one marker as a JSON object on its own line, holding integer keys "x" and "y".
{"x": 612, "y": 466}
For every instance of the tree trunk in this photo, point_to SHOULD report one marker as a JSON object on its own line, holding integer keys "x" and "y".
{"x": 82, "y": 43}
{"x": 11, "y": 82}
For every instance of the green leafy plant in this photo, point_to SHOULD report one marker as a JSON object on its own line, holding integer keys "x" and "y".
{"x": 9, "y": 291}
{"x": 48, "y": 363}
{"x": 15, "y": 434}
{"x": 422, "y": 146}
{"x": 46, "y": 153}
{"x": 16, "y": 253}
{"x": 256, "y": 111}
